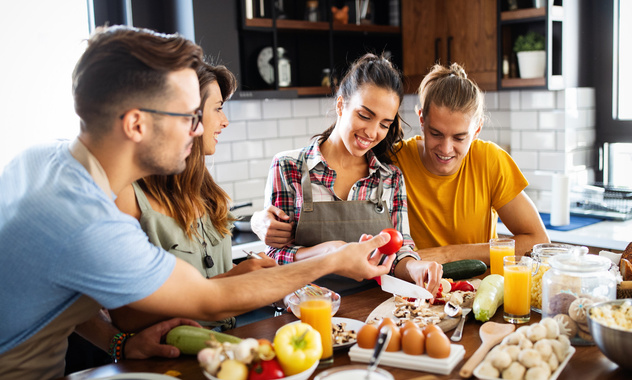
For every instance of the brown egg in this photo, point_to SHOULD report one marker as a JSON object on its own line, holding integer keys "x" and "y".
{"x": 413, "y": 341}
{"x": 437, "y": 345}
{"x": 395, "y": 343}
{"x": 408, "y": 325}
{"x": 430, "y": 328}
{"x": 367, "y": 336}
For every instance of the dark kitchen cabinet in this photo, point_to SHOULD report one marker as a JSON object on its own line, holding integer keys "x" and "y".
{"x": 315, "y": 49}
{"x": 446, "y": 31}
{"x": 547, "y": 21}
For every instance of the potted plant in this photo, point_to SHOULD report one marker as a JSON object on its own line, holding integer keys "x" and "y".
{"x": 531, "y": 55}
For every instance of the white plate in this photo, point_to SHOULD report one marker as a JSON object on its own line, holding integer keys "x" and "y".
{"x": 554, "y": 375}
{"x": 352, "y": 324}
{"x": 138, "y": 376}
{"x": 413, "y": 362}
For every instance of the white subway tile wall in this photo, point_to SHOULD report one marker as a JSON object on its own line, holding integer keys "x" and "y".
{"x": 546, "y": 132}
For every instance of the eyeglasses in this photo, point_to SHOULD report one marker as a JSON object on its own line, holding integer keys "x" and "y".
{"x": 195, "y": 117}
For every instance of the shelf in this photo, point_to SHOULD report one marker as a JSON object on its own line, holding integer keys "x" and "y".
{"x": 386, "y": 29}
{"x": 287, "y": 24}
{"x": 309, "y": 91}
{"x": 528, "y": 14}
{"x": 519, "y": 82}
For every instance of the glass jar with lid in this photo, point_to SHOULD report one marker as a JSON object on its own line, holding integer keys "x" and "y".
{"x": 574, "y": 283}
{"x": 541, "y": 254}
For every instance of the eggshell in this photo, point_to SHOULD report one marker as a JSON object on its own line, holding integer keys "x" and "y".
{"x": 367, "y": 336}
{"x": 413, "y": 341}
{"x": 437, "y": 345}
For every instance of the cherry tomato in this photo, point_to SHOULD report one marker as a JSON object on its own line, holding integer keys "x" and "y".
{"x": 463, "y": 285}
{"x": 394, "y": 244}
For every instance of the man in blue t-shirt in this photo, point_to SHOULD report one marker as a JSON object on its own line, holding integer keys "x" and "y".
{"x": 67, "y": 251}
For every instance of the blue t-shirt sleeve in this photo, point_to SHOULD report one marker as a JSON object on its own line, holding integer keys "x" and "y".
{"x": 113, "y": 265}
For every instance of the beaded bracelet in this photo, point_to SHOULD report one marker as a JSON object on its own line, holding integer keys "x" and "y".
{"x": 117, "y": 345}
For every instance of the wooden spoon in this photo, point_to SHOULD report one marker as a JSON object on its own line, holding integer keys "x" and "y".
{"x": 491, "y": 334}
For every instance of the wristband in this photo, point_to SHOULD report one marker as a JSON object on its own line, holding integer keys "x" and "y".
{"x": 117, "y": 346}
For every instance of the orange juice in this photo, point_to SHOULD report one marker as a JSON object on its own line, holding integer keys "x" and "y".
{"x": 317, "y": 313}
{"x": 517, "y": 290}
{"x": 496, "y": 254}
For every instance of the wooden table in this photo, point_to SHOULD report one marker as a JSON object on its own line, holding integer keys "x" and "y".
{"x": 587, "y": 362}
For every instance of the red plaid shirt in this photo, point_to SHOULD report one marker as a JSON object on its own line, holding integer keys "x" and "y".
{"x": 283, "y": 190}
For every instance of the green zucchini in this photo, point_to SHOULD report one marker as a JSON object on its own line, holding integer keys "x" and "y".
{"x": 190, "y": 340}
{"x": 463, "y": 269}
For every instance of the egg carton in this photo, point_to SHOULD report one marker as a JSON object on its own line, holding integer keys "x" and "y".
{"x": 413, "y": 362}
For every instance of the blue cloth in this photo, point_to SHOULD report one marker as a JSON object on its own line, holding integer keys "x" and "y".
{"x": 575, "y": 222}
{"x": 61, "y": 236}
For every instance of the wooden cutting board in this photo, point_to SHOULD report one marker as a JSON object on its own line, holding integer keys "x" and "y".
{"x": 386, "y": 308}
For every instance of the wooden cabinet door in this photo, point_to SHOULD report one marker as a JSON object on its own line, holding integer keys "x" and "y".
{"x": 445, "y": 31}
{"x": 472, "y": 39}
{"x": 423, "y": 38}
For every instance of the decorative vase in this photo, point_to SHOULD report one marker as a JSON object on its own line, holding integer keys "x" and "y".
{"x": 531, "y": 63}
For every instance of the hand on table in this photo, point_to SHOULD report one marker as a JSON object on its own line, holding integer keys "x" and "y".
{"x": 272, "y": 226}
{"x": 147, "y": 343}
{"x": 251, "y": 265}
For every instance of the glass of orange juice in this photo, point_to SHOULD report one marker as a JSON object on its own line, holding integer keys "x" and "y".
{"x": 499, "y": 248}
{"x": 316, "y": 311}
{"x": 517, "y": 302}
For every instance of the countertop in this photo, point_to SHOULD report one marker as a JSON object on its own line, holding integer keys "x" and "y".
{"x": 607, "y": 234}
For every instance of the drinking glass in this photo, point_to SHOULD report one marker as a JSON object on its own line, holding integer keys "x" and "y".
{"x": 499, "y": 248}
{"x": 316, "y": 311}
{"x": 517, "y": 302}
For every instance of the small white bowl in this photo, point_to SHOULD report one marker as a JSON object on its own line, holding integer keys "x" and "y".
{"x": 299, "y": 376}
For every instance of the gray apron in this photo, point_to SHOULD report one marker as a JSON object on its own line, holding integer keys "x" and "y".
{"x": 339, "y": 220}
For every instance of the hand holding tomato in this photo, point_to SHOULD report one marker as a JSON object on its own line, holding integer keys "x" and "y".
{"x": 393, "y": 245}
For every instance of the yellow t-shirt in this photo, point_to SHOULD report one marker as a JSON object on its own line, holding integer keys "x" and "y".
{"x": 459, "y": 208}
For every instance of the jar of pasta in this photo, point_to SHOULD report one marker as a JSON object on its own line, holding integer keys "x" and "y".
{"x": 541, "y": 254}
{"x": 571, "y": 286}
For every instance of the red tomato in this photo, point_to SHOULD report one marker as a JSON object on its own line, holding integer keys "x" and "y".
{"x": 394, "y": 244}
{"x": 265, "y": 370}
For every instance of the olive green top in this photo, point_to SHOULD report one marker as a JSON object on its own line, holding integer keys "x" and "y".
{"x": 164, "y": 231}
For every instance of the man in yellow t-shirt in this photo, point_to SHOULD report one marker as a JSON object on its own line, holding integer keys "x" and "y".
{"x": 458, "y": 185}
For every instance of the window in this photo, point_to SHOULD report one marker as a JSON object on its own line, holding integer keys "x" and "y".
{"x": 623, "y": 60}
{"x": 42, "y": 40}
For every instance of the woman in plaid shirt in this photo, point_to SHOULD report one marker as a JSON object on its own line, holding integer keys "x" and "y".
{"x": 350, "y": 176}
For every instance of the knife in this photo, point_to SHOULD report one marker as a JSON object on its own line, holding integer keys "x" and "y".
{"x": 403, "y": 288}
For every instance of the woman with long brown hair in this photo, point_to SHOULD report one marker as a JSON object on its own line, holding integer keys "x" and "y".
{"x": 188, "y": 214}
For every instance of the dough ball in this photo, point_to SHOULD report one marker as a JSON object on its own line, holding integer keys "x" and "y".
{"x": 525, "y": 343}
{"x": 558, "y": 349}
{"x": 559, "y": 303}
{"x": 544, "y": 348}
{"x": 499, "y": 359}
{"x": 513, "y": 338}
{"x": 523, "y": 329}
{"x": 488, "y": 370}
{"x": 566, "y": 343}
{"x": 586, "y": 336}
{"x": 513, "y": 351}
{"x": 537, "y": 373}
{"x": 536, "y": 332}
{"x": 529, "y": 358}
{"x": 578, "y": 309}
{"x": 552, "y": 328}
{"x": 553, "y": 362}
{"x": 515, "y": 371}
{"x": 566, "y": 325}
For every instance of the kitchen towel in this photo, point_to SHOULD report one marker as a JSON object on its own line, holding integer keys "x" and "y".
{"x": 560, "y": 202}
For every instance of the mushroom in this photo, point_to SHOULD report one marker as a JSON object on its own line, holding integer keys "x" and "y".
{"x": 453, "y": 310}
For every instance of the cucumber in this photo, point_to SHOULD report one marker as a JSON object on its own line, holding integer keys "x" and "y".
{"x": 190, "y": 340}
{"x": 463, "y": 269}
